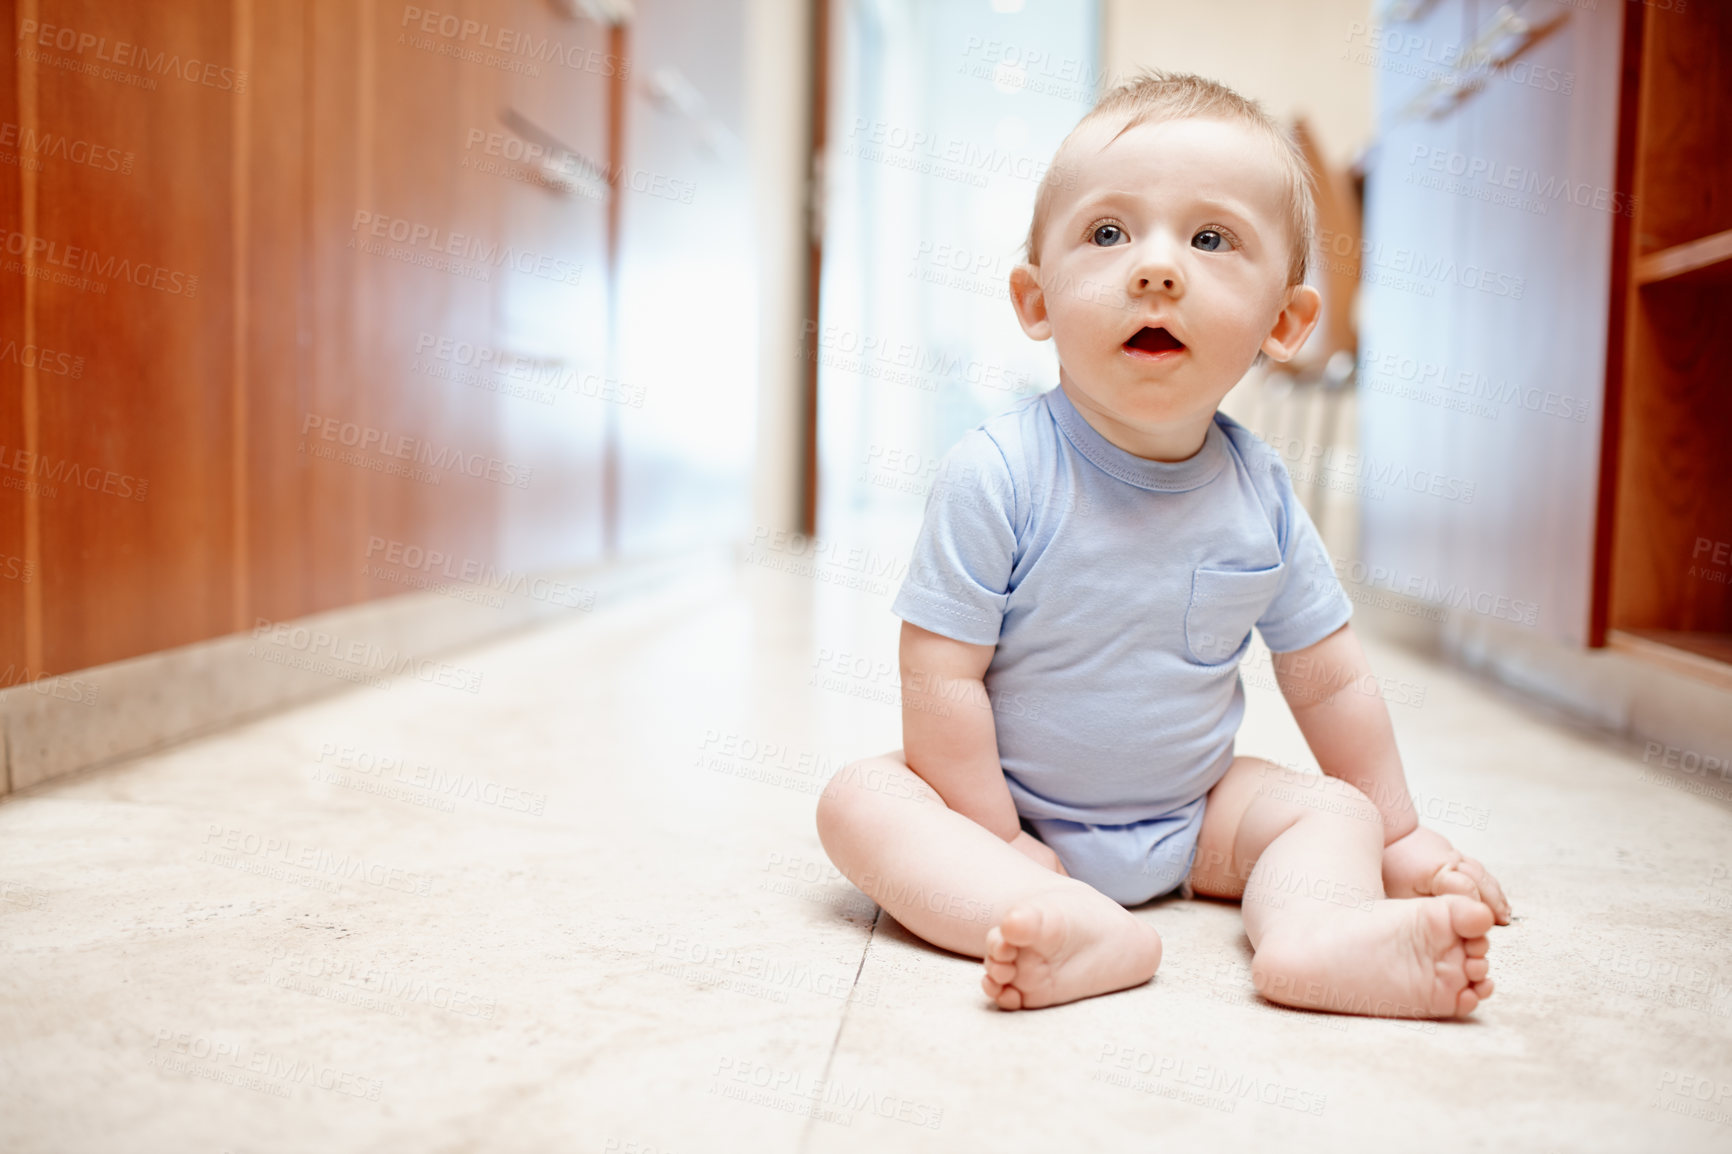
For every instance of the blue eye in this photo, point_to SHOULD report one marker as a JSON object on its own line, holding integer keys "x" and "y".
{"x": 1211, "y": 240}
{"x": 1106, "y": 228}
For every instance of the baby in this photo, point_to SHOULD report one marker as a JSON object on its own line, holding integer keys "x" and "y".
{"x": 1083, "y": 588}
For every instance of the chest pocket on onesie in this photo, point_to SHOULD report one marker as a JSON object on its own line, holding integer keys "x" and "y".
{"x": 1225, "y": 604}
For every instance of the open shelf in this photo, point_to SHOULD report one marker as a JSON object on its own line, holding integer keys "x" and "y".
{"x": 1704, "y": 261}
{"x": 1668, "y": 588}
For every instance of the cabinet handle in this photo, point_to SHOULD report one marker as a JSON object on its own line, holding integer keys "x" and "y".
{"x": 1404, "y": 11}
{"x": 1505, "y": 37}
{"x": 564, "y": 168}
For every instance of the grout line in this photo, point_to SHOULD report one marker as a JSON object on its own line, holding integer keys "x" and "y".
{"x": 842, "y": 1024}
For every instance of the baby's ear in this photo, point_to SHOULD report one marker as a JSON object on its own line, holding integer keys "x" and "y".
{"x": 1029, "y": 300}
{"x": 1295, "y": 322}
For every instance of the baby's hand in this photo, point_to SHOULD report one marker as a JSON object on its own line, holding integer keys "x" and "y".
{"x": 1425, "y": 864}
{"x": 1032, "y": 847}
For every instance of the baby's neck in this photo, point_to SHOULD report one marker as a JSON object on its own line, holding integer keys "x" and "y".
{"x": 1172, "y": 441}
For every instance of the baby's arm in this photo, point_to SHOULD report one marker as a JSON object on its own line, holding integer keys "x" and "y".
{"x": 1348, "y": 728}
{"x": 1333, "y": 696}
{"x": 948, "y": 735}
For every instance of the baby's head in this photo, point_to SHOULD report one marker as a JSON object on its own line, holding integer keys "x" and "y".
{"x": 1167, "y": 249}
{"x": 1152, "y": 97}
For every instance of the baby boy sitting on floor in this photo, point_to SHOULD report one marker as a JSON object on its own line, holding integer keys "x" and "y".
{"x": 1104, "y": 550}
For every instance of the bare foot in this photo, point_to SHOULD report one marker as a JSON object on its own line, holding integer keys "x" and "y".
{"x": 1066, "y": 944}
{"x": 1397, "y": 958}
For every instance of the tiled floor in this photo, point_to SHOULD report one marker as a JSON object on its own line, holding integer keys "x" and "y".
{"x": 585, "y": 910}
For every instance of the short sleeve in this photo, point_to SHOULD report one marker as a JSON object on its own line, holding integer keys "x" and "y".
{"x": 958, "y": 579}
{"x": 1310, "y": 604}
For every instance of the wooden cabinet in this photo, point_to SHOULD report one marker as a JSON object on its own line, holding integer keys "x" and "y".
{"x": 120, "y": 482}
{"x": 1666, "y": 561}
{"x": 1574, "y": 381}
{"x": 289, "y": 287}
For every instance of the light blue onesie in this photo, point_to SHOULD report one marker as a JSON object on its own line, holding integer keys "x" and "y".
{"x": 1120, "y": 594}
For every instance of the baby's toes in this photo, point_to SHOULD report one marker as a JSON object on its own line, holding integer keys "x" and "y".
{"x": 1477, "y": 964}
{"x": 1022, "y": 927}
{"x": 1000, "y": 972}
{"x": 1468, "y": 918}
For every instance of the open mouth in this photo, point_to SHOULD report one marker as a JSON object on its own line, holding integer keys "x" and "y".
{"x": 1154, "y": 342}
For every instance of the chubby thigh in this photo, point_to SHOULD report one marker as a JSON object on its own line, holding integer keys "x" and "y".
{"x": 1253, "y": 804}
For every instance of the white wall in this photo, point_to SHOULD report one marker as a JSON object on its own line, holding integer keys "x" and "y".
{"x": 1288, "y": 54}
{"x": 778, "y": 124}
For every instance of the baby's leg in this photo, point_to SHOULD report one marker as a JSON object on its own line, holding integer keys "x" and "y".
{"x": 1046, "y": 938}
{"x": 1305, "y": 857}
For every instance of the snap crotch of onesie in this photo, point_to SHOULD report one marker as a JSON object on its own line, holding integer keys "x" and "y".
{"x": 1131, "y": 864}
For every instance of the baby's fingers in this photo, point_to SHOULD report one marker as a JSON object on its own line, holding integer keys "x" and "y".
{"x": 1450, "y": 880}
{"x": 1489, "y": 891}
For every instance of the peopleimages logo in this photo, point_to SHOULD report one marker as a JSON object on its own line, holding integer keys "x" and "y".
{"x": 1500, "y": 175}
{"x": 468, "y": 571}
{"x": 464, "y": 247}
{"x": 45, "y": 475}
{"x": 502, "y": 44}
{"x": 286, "y": 851}
{"x": 367, "y": 438}
{"x": 57, "y": 254}
{"x": 352, "y": 659}
{"x": 1426, "y": 269}
{"x": 1453, "y": 594}
{"x": 58, "y": 146}
{"x": 41, "y": 359}
{"x": 33, "y": 33}
{"x": 549, "y": 377}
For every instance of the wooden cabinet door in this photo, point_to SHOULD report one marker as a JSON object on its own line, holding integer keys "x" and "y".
{"x": 1484, "y": 365}
{"x": 551, "y": 322}
{"x": 125, "y": 474}
{"x": 1409, "y": 324}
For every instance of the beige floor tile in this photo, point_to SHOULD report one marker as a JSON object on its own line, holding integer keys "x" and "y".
{"x": 585, "y": 910}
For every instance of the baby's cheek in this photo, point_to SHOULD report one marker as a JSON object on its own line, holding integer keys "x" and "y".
{"x": 1077, "y": 341}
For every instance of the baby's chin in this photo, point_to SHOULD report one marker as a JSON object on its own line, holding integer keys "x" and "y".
{"x": 1149, "y": 415}
{"x": 1151, "y": 399}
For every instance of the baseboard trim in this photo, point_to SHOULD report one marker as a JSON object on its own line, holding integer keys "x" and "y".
{"x": 1669, "y": 711}
{"x": 94, "y": 717}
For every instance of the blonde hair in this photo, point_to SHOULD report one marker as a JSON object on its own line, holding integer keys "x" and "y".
{"x": 1152, "y": 96}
